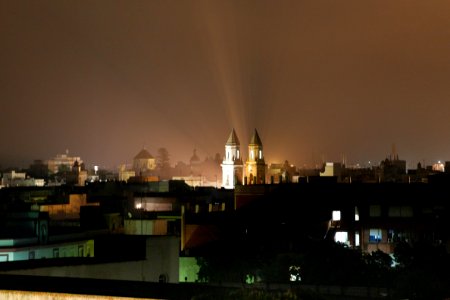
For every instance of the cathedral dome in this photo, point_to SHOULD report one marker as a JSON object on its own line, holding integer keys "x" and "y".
{"x": 143, "y": 154}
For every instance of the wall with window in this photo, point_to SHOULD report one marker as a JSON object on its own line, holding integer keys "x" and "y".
{"x": 76, "y": 249}
{"x": 161, "y": 262}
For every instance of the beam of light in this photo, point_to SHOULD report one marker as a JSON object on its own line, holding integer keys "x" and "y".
{"x": 245, "y": 69}
{"x": 225, "y": 60}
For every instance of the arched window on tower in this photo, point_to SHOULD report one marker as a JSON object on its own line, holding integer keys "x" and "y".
{"x": 237, "y": 154}
{"x": 252, "y": 155}
{"x": 260, "y": 154}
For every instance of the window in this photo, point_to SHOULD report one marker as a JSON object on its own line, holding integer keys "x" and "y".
{"x": 260, "y": 154}
{"x": 356, "y": 214}
{"x": 237, "y": 154}
{"x": 341, "y": 237}
{"x": 55, "y": 252}
{"x": 395, "y": 236}
{"x": 357, "y": 239}
{"x": 375, "y": 210}
{"x": 294, "y": 273}
{"x": 252, "y": 155}
{"x": 336, "y": 215}
{"x": 375, "y": 235}
{"x": 400, "y": 211}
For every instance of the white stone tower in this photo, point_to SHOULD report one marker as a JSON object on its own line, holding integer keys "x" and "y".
{"x": 255, "y": 166}
{"x": 232, "y": 166}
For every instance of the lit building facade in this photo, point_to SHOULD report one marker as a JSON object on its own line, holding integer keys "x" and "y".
{"x": 143, "y": 163}
{"x": 255, "y": 166}
{"x": 232, "y": 166}
{"x": 62, "y": 162}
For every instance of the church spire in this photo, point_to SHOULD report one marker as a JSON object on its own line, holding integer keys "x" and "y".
{"x": 233, "y": 139}
{"x": 255, "y": 140}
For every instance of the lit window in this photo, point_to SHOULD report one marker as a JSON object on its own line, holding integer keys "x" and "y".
{"x": 356, "y": 239}
{"x": 238, "y": 154}
{"x": 341, "y": 237}
{"x": 336, "y": 215}
{"x": 375, "y": 235}
{"x": 294, "y": 273}
{"x": 356, "y": 214}
{"x": 249, "y": 279}
{"x": 260, "y": 154}
{"x": 252, "y": 155}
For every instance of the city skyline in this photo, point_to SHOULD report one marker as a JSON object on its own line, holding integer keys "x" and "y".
{"x": 318, "y": 80}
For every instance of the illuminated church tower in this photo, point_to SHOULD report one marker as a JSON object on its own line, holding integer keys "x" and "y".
{"x": 232, "y": 166}
{"x": 255, "y": 167}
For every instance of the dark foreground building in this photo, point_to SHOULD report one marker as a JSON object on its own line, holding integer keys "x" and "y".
{"x": 316, "y": 232}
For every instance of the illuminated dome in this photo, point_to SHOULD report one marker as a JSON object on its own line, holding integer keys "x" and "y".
{"x": 143, "y": 154}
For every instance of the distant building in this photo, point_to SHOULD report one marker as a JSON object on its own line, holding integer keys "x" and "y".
{"x": 232, "y": 166}
{"x": 392, "y": 169}
{"x": 77, "y": 174}
{"x": 447, "y": 167}
{"x": 332, "y": 169}
{"x": 144, "y": 163}
{"x": 125, "y": 174}
{"x": 438, "y": 167}
{"x": 16, "y": 179}
{"x": 62, "y": 162}
{"x": 13, "y": 175}
{"x": 255, "y": 166}
{"x": 38, "y": 169}
{"x": 195, "y": 164}
{"x": 282, "y": 172}
{"x": 66, "y": 211}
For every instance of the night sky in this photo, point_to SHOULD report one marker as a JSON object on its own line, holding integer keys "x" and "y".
{"x": 318, "y": 79}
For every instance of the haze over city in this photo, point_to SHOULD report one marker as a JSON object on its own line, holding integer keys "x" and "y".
{"x": 318, "y": 79}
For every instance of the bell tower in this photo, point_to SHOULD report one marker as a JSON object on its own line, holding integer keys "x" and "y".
{"x": 255, "y": 166}
{"x": 232, "y": 166}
